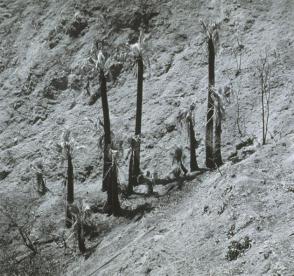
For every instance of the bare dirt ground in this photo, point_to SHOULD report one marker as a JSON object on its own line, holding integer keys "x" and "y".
{"x": 238, "y": 221}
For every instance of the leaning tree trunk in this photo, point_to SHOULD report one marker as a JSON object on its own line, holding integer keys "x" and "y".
{"x": 138, "y": 117}
{"x": 70, "y": 189}
{"x": 210, "y": 107}
{"x": 218, "y": 131}
{"x": 193, "y": 159}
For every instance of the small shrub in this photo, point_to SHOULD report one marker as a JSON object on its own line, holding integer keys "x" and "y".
{"x": 237, "y": 248}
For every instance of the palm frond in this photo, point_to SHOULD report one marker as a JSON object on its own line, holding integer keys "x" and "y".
{"x": 218, "y": 101}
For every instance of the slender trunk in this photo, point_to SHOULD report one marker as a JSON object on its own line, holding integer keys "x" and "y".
{"x": 138, "y": 116}
{"x": 70, "y": 190}
{"x": 210, "y": 107}
{"x": 107, "y": 133}
{"x": 26, "y": 240}
{"x": 267, "y": 114}
{"x": 218, "y": 130}
{"x": 81, "y": 238}
{"x": 263, "y": 112}
{"x": 70, "y": 180}
{"x": 131, "y": 172}
{"x": 193, "y": 159}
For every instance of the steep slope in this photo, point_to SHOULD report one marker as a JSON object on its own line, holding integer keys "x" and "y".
{"x": 43, "y": 92}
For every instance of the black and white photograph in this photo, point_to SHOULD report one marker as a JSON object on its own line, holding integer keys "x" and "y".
{"x": 146, "y": 137}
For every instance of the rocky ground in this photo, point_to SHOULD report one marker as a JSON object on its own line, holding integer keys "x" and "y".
{"x": 235, "y": 221}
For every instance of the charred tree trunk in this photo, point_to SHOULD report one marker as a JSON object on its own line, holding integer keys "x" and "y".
{"x": 70, "y": 180}
{"x": 70, "y": 189}
{"x": 138, "y": 116}
{"x": 112, "y": 205}
{"x": 41, "y": 184}
{"x": 210, "y": 106}
{"x": 218, "y": 131}
{"x": 80, "y": 236}
{"x": 107, "y": 133}
{"x": 193, "y": 145}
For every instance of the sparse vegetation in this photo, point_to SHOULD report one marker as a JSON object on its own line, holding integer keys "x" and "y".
{"x": 237, "y": 248}
{"x": 264, "y": 69}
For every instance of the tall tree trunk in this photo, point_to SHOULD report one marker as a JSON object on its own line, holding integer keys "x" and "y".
{"x": 138, "y": 116}
{"x": 109, "y": 183}
{"x": 193, "y": 158}
{"x": 107, "y": 133}
{"x": 218, "y": 131}
{"x": 70, "y": 189}
{"x": 210, "y": 107}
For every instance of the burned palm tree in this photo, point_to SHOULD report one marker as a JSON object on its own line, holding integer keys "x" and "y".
{"x": 138, "y": 51}
{"x": 211, "y": 37}
{"x": 187, "y": 118}
{"x": 67, "y": 147}
{"x": 102, "y": 65}
{"x": 38, "y": 169}
{"x": 81, "y": 213}
{"x": 219, "y": 113}
{"x": 135, "y": 143}
{"x": 177, "y": 159}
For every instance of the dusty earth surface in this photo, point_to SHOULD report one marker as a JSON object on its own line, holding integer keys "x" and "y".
{"x": 235, "y": 221}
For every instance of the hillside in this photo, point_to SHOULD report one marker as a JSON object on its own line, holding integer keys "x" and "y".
{"x": 188, "y": 231}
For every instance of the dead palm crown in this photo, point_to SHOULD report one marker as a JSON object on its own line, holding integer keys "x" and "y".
{"x": 219, "y": 115}
{"x": 102, "y": 65}
{"x": 187, "y": 119}
{"x": 140, "y": 62}
{"x": 177, "y": 161}
{"x": 81, "y": 213}
{"x": 210, "y": 32}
